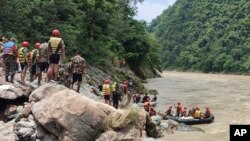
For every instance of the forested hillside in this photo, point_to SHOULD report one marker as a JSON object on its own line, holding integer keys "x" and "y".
{"x": 102, "y": 29}
{"x": 205, "y": 35}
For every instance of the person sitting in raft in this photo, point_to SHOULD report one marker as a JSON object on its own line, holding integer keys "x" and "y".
{"x": 191, "y": 112}
{"x": 207, "y": 113}
{"x": 184, "y": 112}
{"x": 178, "y": 109}
{"x": 154, "y": 98}
{"x": 152, "y": 112}
{"x": 197, "y": 113}
{"x": 169, "y": 112}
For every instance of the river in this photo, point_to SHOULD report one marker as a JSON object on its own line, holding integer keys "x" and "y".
{"x": 228, "y": 96}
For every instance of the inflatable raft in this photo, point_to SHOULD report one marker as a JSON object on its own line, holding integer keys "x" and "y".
{"x": 190, "y": 120}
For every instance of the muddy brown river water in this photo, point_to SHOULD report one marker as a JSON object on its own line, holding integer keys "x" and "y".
{"x": 228, "y": 96}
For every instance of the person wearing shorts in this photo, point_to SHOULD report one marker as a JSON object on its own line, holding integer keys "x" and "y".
{"x": 44, "y": 59}
{"x": 106, "y": 91}
{"x": 23, "y": 58}
{"x": 44, "y": 66}
{"x": 78, "y": 68}
{"x": 56, "y": 54}
{"x": 35, "y": 68}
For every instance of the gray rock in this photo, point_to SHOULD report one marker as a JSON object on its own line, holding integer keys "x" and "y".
{"x": 40, "y": 132}
{"x": 45, "y": 91}
{"x": 10, "y": 91}
{"x": 7, "y": 133}
{"x": 164, "y": 125}
{"x": 8, "y": 95}
{"x": 156, "y": 119}
{"x": 25, "y": 124}
{"x": 108, "y": 136}
{"x": 25, "y": 132}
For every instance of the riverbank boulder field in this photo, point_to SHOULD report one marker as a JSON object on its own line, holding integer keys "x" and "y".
{"x": 53, "y": 112}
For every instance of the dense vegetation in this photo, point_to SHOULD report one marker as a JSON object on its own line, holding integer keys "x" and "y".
{"x": 102, "y": 29}
{"x": 205, "y": 35}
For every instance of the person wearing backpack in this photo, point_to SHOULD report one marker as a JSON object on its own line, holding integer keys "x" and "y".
{"x": 44, "y": 59}
{"x": 35, "y": 64}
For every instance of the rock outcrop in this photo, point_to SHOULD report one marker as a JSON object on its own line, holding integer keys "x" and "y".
{"x": 10, "y": 92}
{"x": 73, "y": 117}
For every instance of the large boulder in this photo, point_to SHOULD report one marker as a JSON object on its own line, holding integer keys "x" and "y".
{"x": 45, "y": 91}
{"x": 71, "y": 116}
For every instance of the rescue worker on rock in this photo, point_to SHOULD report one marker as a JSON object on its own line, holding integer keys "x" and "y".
{"x": 35, "y": 64}
{"x": 169, "y": 112}
{"x": 44, "y": 58}
{"x": 56, "y": 53}
{"x": 207, "y": 113}
{"x": 137, "y": 98}
{"x": 154, "y": 98}
{"x": 152, "y": 112}
{"x": 146, "y": 105}
{"x": 78, "y": 69}
{"x": 178, "y": 109}
{"x": 9, "y": 58}
{"x": 115, "y": 95}
{"x": 23, "y": 58}
{"x": 125, "y": 87}
{"x": 197, "y": 113}
{"x": 144, "y": 99}
{"x": 106, "y": 92}
{"x": 68, "y": 74}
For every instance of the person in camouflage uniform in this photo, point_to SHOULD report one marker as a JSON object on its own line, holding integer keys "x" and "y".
{"x": 44, "y": 58}
{"x": 68, "y": 74}
{"x": 9, "y": 57}
{"x": 77, "y": 67}
{"x": 65, "y": 74}
{"x": 35, "y": 64}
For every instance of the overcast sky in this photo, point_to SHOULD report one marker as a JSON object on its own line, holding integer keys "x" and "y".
{"x": 150, "y": 9}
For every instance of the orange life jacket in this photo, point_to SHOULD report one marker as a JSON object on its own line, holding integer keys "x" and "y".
{"x": 106, "y": 89}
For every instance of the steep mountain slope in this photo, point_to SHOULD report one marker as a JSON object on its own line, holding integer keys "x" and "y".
{"x": 205, "y": 35}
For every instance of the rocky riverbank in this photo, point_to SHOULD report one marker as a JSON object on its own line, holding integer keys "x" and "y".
{"x": 55, "y": 113}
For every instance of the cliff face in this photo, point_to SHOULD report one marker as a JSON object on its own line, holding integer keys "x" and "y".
{"x": 202, "y": 35}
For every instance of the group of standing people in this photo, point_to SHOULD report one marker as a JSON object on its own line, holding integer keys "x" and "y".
{"x": 114, "y": 92}
{"x": 44, "y": 57}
